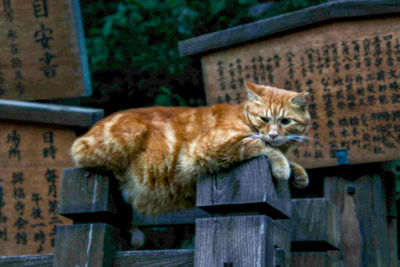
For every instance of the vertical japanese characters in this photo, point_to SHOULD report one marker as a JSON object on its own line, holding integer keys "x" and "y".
{"x": 43, "y": 36}
{"x": 29, "y": 178}
{"x": 16, "y": 62}
{"x": 42, "y": 50}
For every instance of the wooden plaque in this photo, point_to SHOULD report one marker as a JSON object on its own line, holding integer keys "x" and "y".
{"x": 31, "y": 160}
{"x": 42, "y": 50}
{"x": 350, "y": 68}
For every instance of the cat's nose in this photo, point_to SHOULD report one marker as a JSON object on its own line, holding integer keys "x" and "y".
{"x": 273, "y": 136}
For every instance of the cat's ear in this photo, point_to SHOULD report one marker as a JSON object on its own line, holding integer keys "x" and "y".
{"x": 300, "y": 100}
{"x": 252, "y": 91}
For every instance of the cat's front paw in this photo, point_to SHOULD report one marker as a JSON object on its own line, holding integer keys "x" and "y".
{"x": 281, "y": 171}
{"x": 300, "y": 179}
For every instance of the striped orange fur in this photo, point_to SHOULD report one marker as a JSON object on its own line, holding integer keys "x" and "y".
{"x": 158, "y": 152}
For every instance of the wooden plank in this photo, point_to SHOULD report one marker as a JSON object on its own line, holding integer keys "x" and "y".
{"x": 133, "y": 258}
{"x": 308, "y": 259}
{"x": 43, "y": 53}
{"x": 49, "y": 113}
{"x": 236, "y": 241}
{"x": 170, "y": 218}
{"x": 349, "y": 68}
{"x": 27, "y": 261}
{"x": 89, "y": 195}
{"x": 31, "y": 160}
{"x": 365, "y": 232}
{"x": 83, "y": 245}
{"x": 290, "y": 21}
{"x": 315, "y": 225}
{"x": 154, "y": 258}
{"x": 248, "y": 187}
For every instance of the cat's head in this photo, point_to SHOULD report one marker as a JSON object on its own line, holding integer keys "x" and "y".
{"x": 276, "y": 116}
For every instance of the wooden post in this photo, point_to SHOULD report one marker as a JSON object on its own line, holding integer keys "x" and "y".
{"x": 91, "y": 195}
{"x": 247, "y": 187}
{"x": 83, "y": 245}
{"x": 365, "y": 221}
{"x": 91, "y": 199}
{"x": 315, "y": 225}
{"x": 246, "y": 236}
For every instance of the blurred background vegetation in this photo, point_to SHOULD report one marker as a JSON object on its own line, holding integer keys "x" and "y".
{"x": 133, "y": 46}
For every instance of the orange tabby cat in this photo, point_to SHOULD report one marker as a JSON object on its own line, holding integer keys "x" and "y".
{"x": 157, "y": 152}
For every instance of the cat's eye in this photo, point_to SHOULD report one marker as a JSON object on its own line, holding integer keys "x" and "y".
{"x": 285, "y": 121}
{"x": 264, "y": 119}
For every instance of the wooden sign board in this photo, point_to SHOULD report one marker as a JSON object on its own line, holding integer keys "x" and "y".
{"x": 351, "y": 69}
{"x": 42, "y": 50}
{"x": 31, "y": 160}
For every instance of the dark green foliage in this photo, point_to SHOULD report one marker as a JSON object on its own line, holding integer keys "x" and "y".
{"x": 132, "y": 47}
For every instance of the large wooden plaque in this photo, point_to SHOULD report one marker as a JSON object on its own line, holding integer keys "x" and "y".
{"x": 31, "y": 160}
{"x": 42, "y": 51}
{"x": 351, "y": 69}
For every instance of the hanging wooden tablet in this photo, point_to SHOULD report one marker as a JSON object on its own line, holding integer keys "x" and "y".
{"x": 35, "y": 140}
{"x": 42, "y": 50}
{"x": 350, "y": 69}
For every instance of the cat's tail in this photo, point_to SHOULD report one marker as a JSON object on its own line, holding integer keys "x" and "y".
{"x": 104, "y": 148}
{"x": 86, "y": 151}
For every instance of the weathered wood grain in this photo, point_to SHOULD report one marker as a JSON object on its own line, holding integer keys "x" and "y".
{"x": 315, "y": 225}
{"x": 311, "y": 259}
{"x": 282, "y": 23}
{"x": 154, "y": 258}
{"x": 238, "y": 240}
{"x": 245, "y": 187}
{"x": 83, "y": 245}
{"x": 171, "y": 218}
{"x": 49, "y": 113}
{"x": 365, "y": 231}
{"x": 27, "y": 261}
{"x": 282, "y": 244}
{"x": 85, "y": 191}
{"x": 148, "y": 258}
{"x": 89, "y": 195}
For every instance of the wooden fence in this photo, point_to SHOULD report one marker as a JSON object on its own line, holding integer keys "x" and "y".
{"x": 244, "y": 217}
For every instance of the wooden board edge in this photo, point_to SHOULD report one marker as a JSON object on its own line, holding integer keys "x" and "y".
{"x": 285, "y": 22}
{"x": 173, "y": 257}
{"x": 119, "y": 258}
{"x": 49, "y": 113}
{"x": 27, "y": 260}
{"x": 80, "y": 35}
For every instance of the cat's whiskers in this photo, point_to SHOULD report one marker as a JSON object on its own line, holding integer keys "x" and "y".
{"x": 302, "y": 139}
{"x": 256, "y": 136}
